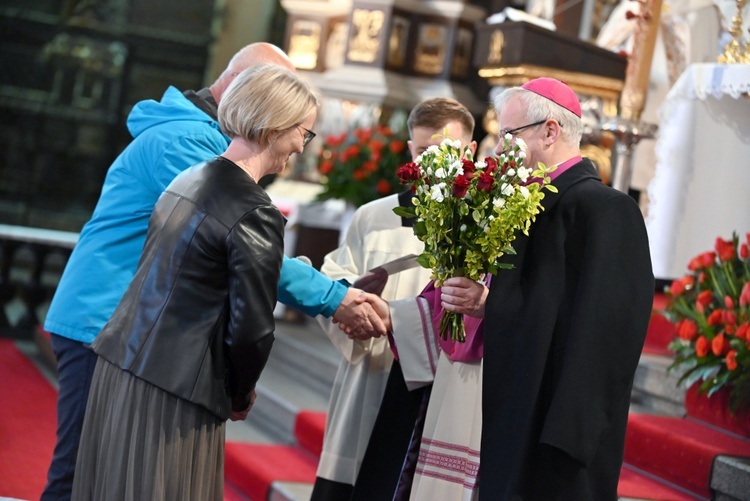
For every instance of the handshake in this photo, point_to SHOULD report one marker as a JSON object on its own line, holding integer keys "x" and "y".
{"x": 363, "y": 314}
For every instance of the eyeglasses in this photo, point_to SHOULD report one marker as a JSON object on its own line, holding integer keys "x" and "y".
{"x": 307, "y": 136}
{"x": 519, "y": 129}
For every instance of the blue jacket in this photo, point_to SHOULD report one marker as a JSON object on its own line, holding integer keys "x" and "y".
{"x": 169, "y": 136}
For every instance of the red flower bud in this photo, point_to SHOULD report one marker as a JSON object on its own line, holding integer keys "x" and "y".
{"x": 702, "y": 346}
{"x": 704, "y": 298}
{"x": 745, "y": 295}
{"x": 484, "y": 183}
{"x": 731, "y": 360}
{"x": 744, "y": 251}
{"x": 743, "y": 331}
{"x": 728, "y": 302}
{"x": 677, "y": 288}
{"x": 728, "y": 317}
{"x": 708, "y": 259}
{"x": 686, "y": 329}
{"x": 715, "y": 318}
{"x": 725, "y": 249}
{"x": 719, "y": 345}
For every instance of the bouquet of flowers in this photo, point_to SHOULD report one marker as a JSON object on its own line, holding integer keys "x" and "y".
{"x": 468, "y": 213}
{"x": 710, "y": 308}
{"x": 360, "y": 166}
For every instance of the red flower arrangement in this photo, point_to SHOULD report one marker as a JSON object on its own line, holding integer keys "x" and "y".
{"x": 360, "y": 166}
{"x": 711, "y": 311}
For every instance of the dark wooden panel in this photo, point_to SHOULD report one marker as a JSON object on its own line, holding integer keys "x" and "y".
{"x": 528, "y": 44}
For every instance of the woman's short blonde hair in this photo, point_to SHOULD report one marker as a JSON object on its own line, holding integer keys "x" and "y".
{"x": 265, "y": 99}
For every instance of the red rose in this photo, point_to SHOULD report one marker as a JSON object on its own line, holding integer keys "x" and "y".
{"x": 383, "y": 187}
{"x": 397, "y": 147}
{"x": 731, "y": 360}
{"x": 335, "y": 140}
{"x": 326, "y": 167}
{"x": 484, "y": 183}
{"x": 491, "y": 165}
{"x": 725, "y": 249}
{"x": 743, "y": 331}
{"x": 370, "y": 166}
{"x": 352, "y": 151}
{"x": 468, "y": 165}
{"x": 701, "y": 346}
{"x": 409, "y": 172}
{"x": 359, "y": 174}
{"x": 363, "y": 135}
{"x": 719, "y": 345}
{"x": 460, "y": 186}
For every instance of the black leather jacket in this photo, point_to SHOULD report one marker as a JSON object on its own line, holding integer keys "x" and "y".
{"x": 197, "y": 319}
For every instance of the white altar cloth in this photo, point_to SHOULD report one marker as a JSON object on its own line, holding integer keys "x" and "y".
{"x": 701, "y": 187}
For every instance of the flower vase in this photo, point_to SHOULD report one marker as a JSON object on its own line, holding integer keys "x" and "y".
{"x": 715, "y": 410}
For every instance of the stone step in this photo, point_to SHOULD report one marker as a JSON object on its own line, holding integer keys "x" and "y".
{"x": 655, "y": 390}
{"x": 298, "y": 376}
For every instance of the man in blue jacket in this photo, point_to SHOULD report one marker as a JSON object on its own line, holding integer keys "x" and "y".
{"x": 168, "y": 137}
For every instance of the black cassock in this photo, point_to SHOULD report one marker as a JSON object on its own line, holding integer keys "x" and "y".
{"x": 564, "y": 330}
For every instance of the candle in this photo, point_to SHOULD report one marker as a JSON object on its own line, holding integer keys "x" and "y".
{"x": 633, "y": 97}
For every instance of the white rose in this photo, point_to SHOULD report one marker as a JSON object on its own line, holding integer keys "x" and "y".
{"x": 524, "y": 191}
{"x": 511, "y": 172}
{"x": 499, "y": 203}
{"x": 507, "y": 189}
{"x": 481, "y": 164}
{"x": 521, "y": 144}
{"x": 440, "y": 173}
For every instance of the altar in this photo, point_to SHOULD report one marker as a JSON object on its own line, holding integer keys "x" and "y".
{"x": 701, "y": 186}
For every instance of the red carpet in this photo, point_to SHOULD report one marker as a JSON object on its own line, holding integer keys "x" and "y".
{"x": 309, "y": 428}
{"x": 660, "y": 330}
{"x": 27, "y": 425}
{"x": 680, "y": 451}
{"x": 252, "y": 468}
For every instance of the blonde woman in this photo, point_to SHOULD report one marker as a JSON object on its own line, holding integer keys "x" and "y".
{"x": 183, "y": 350}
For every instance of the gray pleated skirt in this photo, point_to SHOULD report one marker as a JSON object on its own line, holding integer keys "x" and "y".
{"x": 140, "y": 443}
